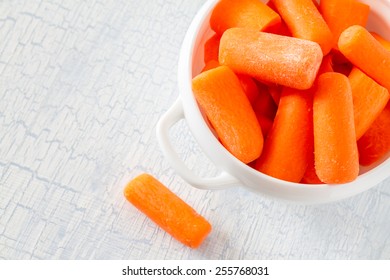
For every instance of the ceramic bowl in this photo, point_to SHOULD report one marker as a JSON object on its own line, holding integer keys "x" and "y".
{"x": 234, "y": 173}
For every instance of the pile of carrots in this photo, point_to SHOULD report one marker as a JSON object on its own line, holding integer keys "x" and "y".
{"x": 297, "y": 89}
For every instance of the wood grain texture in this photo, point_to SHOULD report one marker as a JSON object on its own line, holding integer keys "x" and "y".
{"x": 82, "y": 85}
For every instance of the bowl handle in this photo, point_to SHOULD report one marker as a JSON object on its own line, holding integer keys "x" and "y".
{"x": 171, "y": 117}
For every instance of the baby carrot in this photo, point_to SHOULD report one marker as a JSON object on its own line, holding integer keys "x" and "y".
{"x": 211, "y": 48}
{"x": 167, "y": 210}
{"x": 271, "y": 58}
{"x": 374, "y": 145}
{"x": 335, "y": 148}
{"x": 369, "y": 99}
{"x": 341, "y": 14}
{"x": 305, "y": 22}
{"x": 285, "y": 155}
{"x": 221, "y": 96}
{"x": 365, "y": 52}
{"x": 243, "y": 13}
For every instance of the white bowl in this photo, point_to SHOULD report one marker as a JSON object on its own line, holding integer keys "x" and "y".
{"x": 234, "y": 172}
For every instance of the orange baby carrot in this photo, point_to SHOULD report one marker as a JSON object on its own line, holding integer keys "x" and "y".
{"x": 211, "y": 48}
{"x": 167, "y": 210}
{"x": 365, "y": 52}
{"x": 374, "y": 145}
{"x": 220, "y": 94}
{"x": 381, "y": 40}
{"x": 305, "y": 21}
{"x": 285, "y": 155}
{"x": 341, "y": 14}
{"x": 271, "y": 58}
{"x": 335, "y": 149}
{"x": 244, "y": 13}
{"x": 369, "y": 99}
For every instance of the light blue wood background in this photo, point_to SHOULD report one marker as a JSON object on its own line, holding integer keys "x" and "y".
{"x": 82, "y": 85}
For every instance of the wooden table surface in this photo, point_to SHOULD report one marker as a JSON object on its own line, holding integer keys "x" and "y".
{"x": 82, "y": 86}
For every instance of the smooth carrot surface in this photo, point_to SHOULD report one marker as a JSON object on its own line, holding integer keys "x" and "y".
{"x": 221, "y": 96}
{"x": 374, "y": 145}
{"x": 243, "y": 13}
{"x": 285, "y": 155}
{"x": 369, "y": 99}
{"x": 341, "y": 14}
{"x": 305, "y": 22}
{"x": 211, "y": 48}
{"x": 271, "y": 58}
{"x": 167, "y": 210}
{"x": 365, "y": 52}
{"x": 335, "y": 148}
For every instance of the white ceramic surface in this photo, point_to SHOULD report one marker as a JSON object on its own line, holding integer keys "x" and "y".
{"x": 234, "y": 173}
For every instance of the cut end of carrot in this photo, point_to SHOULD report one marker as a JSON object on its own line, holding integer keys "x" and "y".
{"x": 167, "y": 210}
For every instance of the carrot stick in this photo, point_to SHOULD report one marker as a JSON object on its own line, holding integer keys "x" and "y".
{"x": 167, "y": 210}
{"x": 220, "y": 94}
{"x": 341, "y": 14}
{"x": 305, "y": 22}
{"x": 381, "y": 40}
{"x": 244, "y": 13}
{"x": 285, "y": 155}
{"x": 211, "y": 48}
{"x": 271, "y": 58}
{"x": 369, "y": 99}
{"x": 374, "y": 145}
{"x": 365, "y": 52}
{"x": 335, "y": 148}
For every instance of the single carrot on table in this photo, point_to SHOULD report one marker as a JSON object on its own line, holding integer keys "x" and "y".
{"x": 286, "y": 154}
{"x": 374, "y": 145}
{"x": 335, "y": 148}
{"x": 365, "y": 52}
{"x": 220, "y": 94}
{"x": 167, "y": 210}
{"x": 243, "y": 13}
{"x": 271, "y": 58}
{"x": 341, "y": 14}
{"x": 369, "y": 99}
{"x": 305, "y": 22}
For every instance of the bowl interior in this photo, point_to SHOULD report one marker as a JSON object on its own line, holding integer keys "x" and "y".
{"x": 378, "y": 21}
